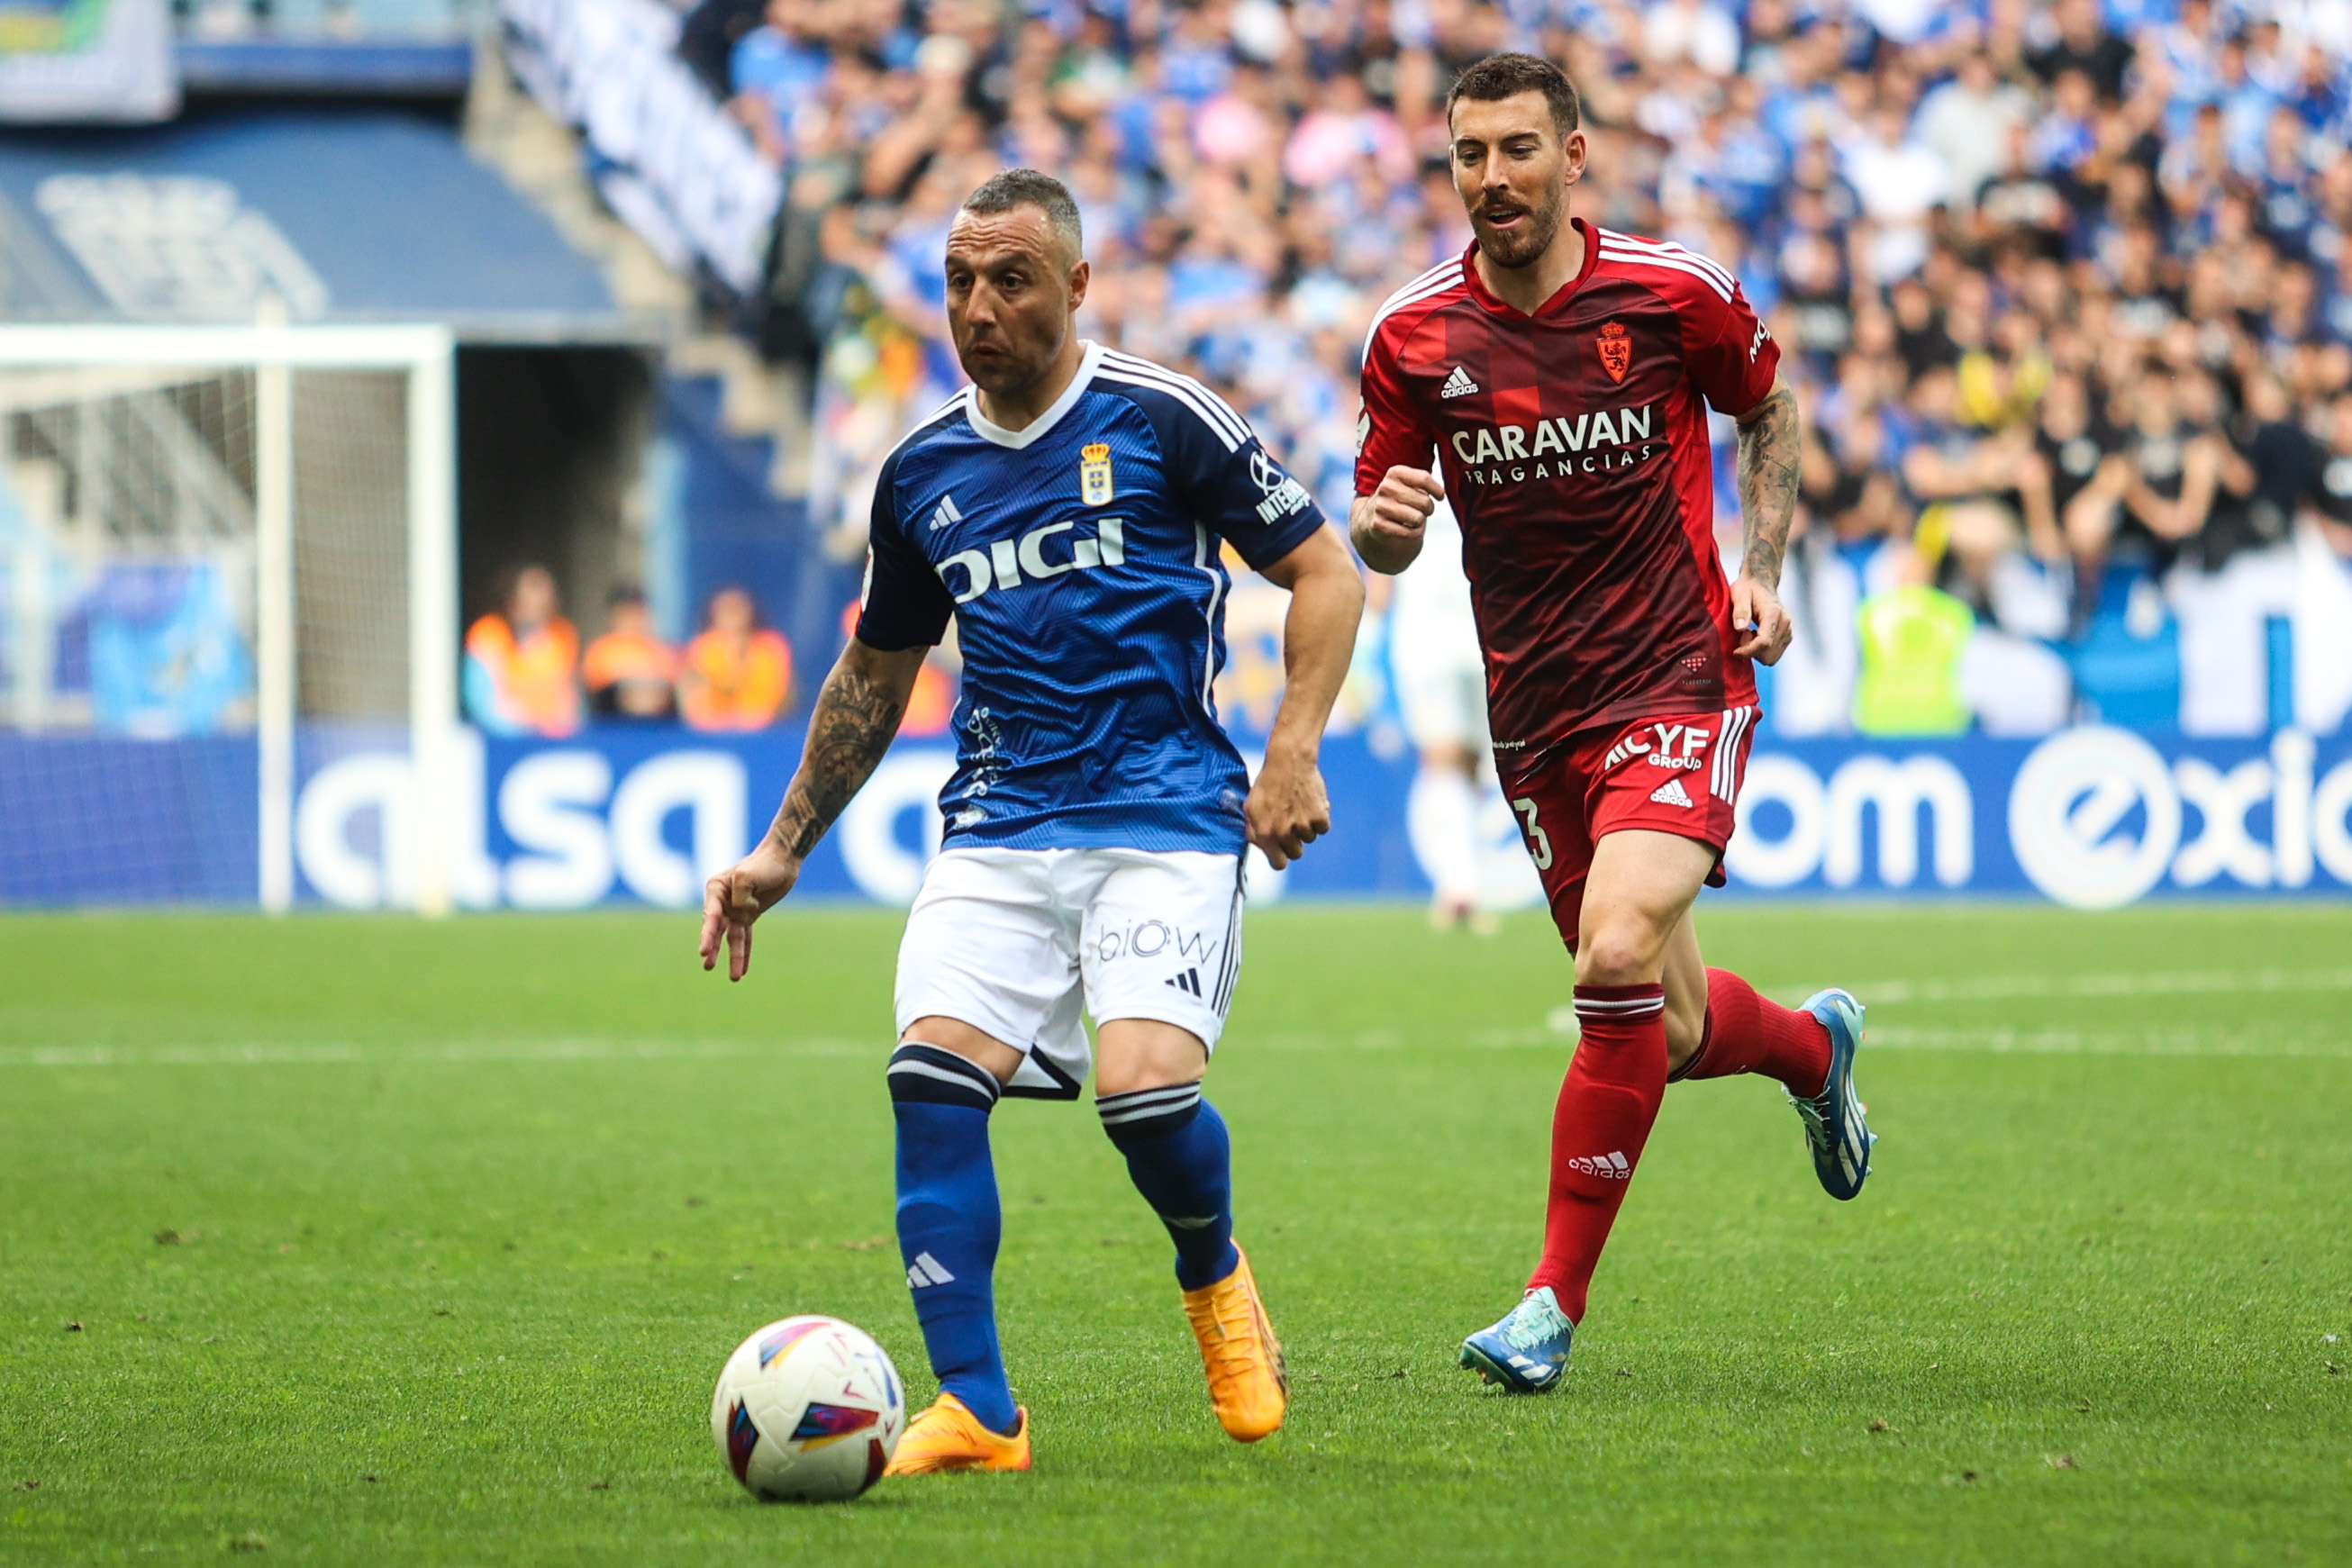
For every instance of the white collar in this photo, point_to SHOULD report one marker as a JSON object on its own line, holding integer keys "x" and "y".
{"x": 1036, "y": 429}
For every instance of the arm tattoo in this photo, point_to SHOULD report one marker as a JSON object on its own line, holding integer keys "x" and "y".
{"x": 1770, "y": 449}
{"x": 856, "y": 715}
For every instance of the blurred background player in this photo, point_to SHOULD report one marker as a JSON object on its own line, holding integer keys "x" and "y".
{"x": 1066, "y": 513}
{"x": 738, "y": 674}
{"x": 1563, "y": 373}
{"x": 630, "y": 673}
{"x": 1441, "y": 691}
{"x": 522, "y": 662}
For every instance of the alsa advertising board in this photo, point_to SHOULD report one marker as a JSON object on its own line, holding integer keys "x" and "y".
{"x": 2093, "y": 818}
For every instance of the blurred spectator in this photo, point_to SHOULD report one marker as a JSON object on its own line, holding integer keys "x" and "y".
{"x": 2077, "y": 474}
{"x": 1968, "y": 124}
{"x": 775, "y": 69}
{"x": 631, "y": 674}
{"x": 1913, "y": 640}
{"x": 522, "y": 662}
{"x": 707, "y": 39}
{"x": 2168, "y": 476}
{"x": 1694, "y": 30}
{"x": 166, "y": 656}
{"x": 1900, "y": 181}
{"x": 2323, "y": 609}
{"x": 2329, "y": 497}
{"x": 738, "y": 674}
{"x": 2018, "y": 199}
{"x": 2084, "y": 45}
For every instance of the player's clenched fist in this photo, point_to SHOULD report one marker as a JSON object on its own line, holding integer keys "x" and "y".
{"x": 1389, "y": 524}
{"x": 1287, "y": 809}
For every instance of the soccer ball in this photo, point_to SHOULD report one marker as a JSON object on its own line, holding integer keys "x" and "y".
{"x": 806, "y": 1410}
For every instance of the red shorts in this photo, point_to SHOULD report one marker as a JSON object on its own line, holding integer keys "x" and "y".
{"x": 1675, "y": 776}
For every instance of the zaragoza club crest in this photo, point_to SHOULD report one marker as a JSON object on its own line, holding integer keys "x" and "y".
{"x": 1616, "y": 346}
{"x": 1094, "y": 474}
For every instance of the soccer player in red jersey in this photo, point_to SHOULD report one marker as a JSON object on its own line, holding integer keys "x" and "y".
{"x": 1561, "y": 372}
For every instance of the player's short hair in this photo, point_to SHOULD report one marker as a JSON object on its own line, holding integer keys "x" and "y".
{"x": 1507, "y": 75}
{"x": 1032, "y": 188}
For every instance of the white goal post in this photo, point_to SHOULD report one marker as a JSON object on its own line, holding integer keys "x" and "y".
{"x": 80, "y": 366}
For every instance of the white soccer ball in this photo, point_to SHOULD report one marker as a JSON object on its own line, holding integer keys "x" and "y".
{"x": 806, "y": 1410}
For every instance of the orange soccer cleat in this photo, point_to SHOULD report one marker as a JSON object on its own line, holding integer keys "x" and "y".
{"x": 948, "y": 1436}
{"x": 1247, "y": 1383}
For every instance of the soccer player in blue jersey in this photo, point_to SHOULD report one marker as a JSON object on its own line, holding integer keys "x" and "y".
{"x": 1068, "y": 511}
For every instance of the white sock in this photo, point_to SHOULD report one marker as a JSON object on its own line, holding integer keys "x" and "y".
{"x": 1441, "y": 821}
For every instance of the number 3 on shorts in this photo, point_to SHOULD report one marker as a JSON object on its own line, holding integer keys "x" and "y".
{"x": 1538, "y": 842}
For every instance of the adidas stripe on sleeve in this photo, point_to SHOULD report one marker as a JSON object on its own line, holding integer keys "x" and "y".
{"x": 1214, "y": 466}
{"x": 903, "y": 603}
{"x": 1393, "y": 432}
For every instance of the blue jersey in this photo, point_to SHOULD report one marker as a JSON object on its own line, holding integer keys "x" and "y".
{"x": 1080, "y": 559}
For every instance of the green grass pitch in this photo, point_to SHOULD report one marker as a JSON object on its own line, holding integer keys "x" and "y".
{"x": 379, "y": 1241}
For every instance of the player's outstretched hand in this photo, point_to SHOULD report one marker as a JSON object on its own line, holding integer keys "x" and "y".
{"x": 1389, "y": 531}
{"x": 738, "y": 895}
{"x": 1756, "y": 612}
{"x": 1287, "y": 809}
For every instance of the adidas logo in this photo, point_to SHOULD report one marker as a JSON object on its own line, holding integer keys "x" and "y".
{"x": 1459, "y": 385}
{"x": 1671, "y": 793}
{"x": 1189, "y": 980}
{"x": 945, "y": 513}
{"x": 1612, "y": 1166}
{"x": 926, "y": 1270}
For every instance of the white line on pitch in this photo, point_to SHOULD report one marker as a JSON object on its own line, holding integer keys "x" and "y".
{"x": 272, "y": 1053}
{"x": 2148, "y": 983}
{"x": 2080, "y": 1042}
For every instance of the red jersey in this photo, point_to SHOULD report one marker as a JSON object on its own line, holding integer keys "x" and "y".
{"x": 1573, "y": 445}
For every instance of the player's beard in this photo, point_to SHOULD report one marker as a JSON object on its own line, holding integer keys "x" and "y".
{"x": 1524, "y": 245}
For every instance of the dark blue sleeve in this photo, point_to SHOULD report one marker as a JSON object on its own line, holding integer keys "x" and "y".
{"x": 1220, "y": 473}
{"x": 904, "y": 604}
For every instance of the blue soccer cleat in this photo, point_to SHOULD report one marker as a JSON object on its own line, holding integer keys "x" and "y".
{"x": 1834, "y": 1127}
{"x": 1527, "y": 1351}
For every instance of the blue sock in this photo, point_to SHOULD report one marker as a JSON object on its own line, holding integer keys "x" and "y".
{"x": 1181, "y": 1162}
{"x": 950, "y": 1221}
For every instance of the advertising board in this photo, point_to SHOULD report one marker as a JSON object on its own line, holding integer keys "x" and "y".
{"x": 2092, "y": 817}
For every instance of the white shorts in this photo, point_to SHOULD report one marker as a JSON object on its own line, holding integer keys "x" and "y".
{"x": 1020, "y": 943}
{"x": 1441, "y": 683}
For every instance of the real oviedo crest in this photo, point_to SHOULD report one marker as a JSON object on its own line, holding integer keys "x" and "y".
{"x": 1616, "y": 346}
{"x": 1094, "y": 474}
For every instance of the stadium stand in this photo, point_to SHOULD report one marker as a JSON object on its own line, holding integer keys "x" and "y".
{"x": 2062, "y": 283}
{"x": 390, "y": 47}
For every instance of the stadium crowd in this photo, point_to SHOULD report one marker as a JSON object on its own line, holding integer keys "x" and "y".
{"x": 2066, "y": 290}
{"x": 525, "y": 672}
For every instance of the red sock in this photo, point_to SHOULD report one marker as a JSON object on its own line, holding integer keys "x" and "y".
{"x": 1606, "y": 1107}
{"x": 1750, "y": 1033}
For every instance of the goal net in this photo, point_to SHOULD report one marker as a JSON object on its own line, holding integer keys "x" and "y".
{"x": 227, "y": 573}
